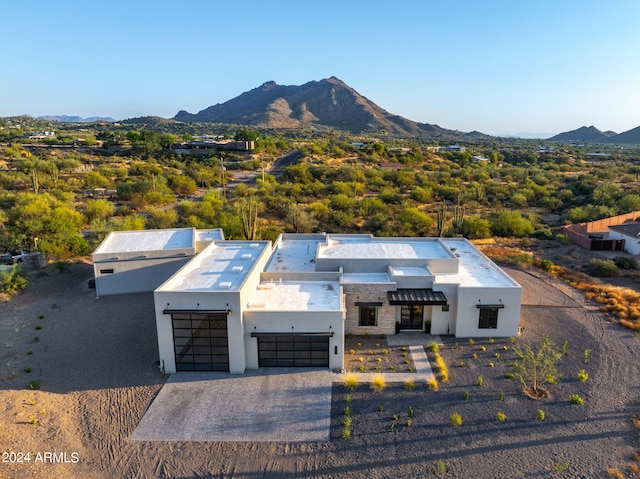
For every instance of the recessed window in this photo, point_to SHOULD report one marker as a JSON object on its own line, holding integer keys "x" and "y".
{"x": 106, "y": 271}
{"x": 488, "y": 318}
{"x": 445, "y": 307}
{"x": 368, "y": 315}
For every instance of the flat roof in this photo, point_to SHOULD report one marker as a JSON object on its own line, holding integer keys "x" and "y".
{"x": 222, "y": 266}
{"x": 410, "y": 271}
{"x": 214, "y": 234}
{"x": 368, "y": 247}
{"x": 360, "y": 278}
{"x": 296, "y": 296}
{"x": 294, "y": 256}
{"x": 474, "y": 268}
{"x": 147, "y": 240}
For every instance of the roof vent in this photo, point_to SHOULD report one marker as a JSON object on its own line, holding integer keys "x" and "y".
{"x": 237, "y": 269}
{"x": 246, "y": 256}
{"x": 254, "y": 245}
{"x": 225, "y": 285}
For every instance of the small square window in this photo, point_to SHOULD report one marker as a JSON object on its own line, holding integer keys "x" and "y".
{"x": 488, "y": 318}
{"x": 445, "y": 307}
{"x": 368, "y": 315}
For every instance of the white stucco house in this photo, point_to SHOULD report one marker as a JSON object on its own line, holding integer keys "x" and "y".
{"x": 629, "y": 234}
{"x": 236, "y": 305}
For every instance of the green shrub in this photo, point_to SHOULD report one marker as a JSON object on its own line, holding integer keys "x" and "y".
{"x": 625, "y": 262}
{"x": 348, "y": 398}
{"x": 346, "y": 433}
{"x": 13, "y": 280}
{"x": 541, "y": 415}
{"x": 472, "y": 341}
{"x": 432, "y": 383}
{"x": 28, "y": 369}
{"x": 466, "y": 395}
{"x": 546, "y": 265}
{"x": 587, "y": 355}
{"x": 456, "y": 419}
{"x": 347, "y": 411}
{"x": 582, "y": 376}
{"x": 433, "y": 347}
{"x": 480, "y": 381}
{"x": 563, "y": 239}
{"x": 35, "y": 384}
{"x": 604, "y": 268}
{"x": 500, "y": 416}
{"x": 409, "y": 385}
{"x": 576, "y": 399}
{"x": 510, "y": 375}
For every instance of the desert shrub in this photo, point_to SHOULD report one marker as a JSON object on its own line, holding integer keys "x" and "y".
{"x": 346, "y": 433}
{"x": 582, "y": 376}
{"x": 378, "y": 383}
{"x": 576, "y": 399}
{"x": 546, "y": 265}
{"x": 625, "y": 262}
{"x": 472, "y": 341}
{"x": 409, "y": 385}
{"x": 466, "y": 395}
{"x": 392, "y": 367}
{"x": 480, "y": 381}
{"x": 604, "y": 268}
{"x": 347, "y": 411}
{"x": 456, "y": 419}
{"x": 500, "y": 416}
{"x": 347, "y": 421}
{"x": 352, "y": 351}
{"x": 587, "y": 355}
{"x": 13, "y": 280}
{"x": 563, "y": 239}
{"x": 432, "y": 383}
{"x": 35, "y": 384}
{"x": 510, "y": 375}
{"x": 350, "y": 382}
{"x": 433, "y": 347}
{"x": 541, "y": 415}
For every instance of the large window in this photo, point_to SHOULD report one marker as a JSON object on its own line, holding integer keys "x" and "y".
{"x": 488, "y": 318}
{"x": 368, "y": 315}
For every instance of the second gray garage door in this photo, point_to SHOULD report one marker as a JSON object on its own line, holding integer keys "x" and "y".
{"x": 293, "y": 351}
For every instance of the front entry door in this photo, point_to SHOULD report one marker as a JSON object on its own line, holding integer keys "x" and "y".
{"x": 411, "y": 316}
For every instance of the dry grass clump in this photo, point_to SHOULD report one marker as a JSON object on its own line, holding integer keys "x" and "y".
{"x": 615, "y": 472}
{"x": 443, "y": 371}
{"x": 432, "y": 383}
{"x": 634, "y": 468}
{"x": 378, "y": 383}
{"x": 350, "y": 382}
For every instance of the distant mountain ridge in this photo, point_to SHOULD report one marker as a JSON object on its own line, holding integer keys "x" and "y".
{"x": 325, "y": 103}
{"x": 594, "y": 135}
{"x": 76, "y": 119}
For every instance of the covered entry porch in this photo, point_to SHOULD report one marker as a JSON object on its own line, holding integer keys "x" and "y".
{"x": 415, "y": 307}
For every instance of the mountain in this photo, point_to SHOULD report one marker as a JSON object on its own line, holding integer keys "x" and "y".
{"x": 76, "y": 119}
{"x": 631, "y": 136}
{"x": 585, "y": 133}
{"x": 325, "y": 103}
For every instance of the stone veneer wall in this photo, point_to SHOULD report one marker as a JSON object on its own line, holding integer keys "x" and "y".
{"x": 370, "y": 293}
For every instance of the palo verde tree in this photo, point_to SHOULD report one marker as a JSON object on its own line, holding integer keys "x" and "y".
{"x": 535, "y": 367}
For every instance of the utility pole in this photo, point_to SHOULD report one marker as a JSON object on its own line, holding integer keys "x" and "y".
{"x": 222, "y": 168}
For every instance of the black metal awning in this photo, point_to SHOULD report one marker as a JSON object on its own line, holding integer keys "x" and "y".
{"x": 416, "y": 296}
{"x": 196, "y": 311}
{"x": 256, "y": 334}
{"x": 489, "y": 306}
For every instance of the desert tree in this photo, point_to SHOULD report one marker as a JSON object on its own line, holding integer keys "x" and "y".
{"x": 536, "y": 366}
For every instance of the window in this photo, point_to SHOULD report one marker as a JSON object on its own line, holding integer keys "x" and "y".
{"x": 368, "y": 315}
{"x": 488, "y": 318}
{"x": 106, "y": 271}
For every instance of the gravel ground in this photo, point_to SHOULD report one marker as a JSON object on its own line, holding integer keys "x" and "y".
{"x": 96, "y": 362}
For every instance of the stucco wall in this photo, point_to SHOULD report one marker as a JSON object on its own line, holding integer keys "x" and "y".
{"x": 631, "y": 245}
{"x": 468, "y": 313}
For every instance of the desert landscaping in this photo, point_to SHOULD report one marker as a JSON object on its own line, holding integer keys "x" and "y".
{"x": 78, "y": 374}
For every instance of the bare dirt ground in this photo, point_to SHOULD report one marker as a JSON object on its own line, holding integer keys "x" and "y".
{"x": 96, "y": 359}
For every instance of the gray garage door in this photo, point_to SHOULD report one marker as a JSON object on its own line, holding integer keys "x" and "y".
{"x": 293, "y": 351}
{"x": 201, "y": 341}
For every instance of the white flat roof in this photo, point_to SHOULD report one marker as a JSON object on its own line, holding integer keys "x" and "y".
{"x": 474, "y": 269}
{"x": 296, "y": 296}
{"x": 294, "y": 256}
{"x": 410, "y": 271}
{"x": 221, "y": 266}
{"x": 147, "y": 240}
{"x": 345, "y": 247}
{"x": 360, "y": 278}
{"x": 214, "y": 234}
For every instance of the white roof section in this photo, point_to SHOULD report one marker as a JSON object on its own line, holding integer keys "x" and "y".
{"x": 215, "y": 234}
{"x": 474, "y": 269}
{"x": 147, "y": 240}
{"x": 222, "y": 266}
{"x": 294, "y": 256}
{"x": 410, "y": 271}
{"x": 296, "y": 296}
{"x": 369, "y": 247}
{"x": 362, "y": 278}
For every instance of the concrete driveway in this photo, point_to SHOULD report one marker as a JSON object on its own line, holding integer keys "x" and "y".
{"x": 270, "y": 404}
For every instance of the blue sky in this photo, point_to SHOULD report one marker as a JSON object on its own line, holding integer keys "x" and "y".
{"x": 496, "y": 66}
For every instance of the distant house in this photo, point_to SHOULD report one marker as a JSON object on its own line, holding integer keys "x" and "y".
{"x": 40, "y": 135}
{"x": 604, "y": 234}
{"x": 226, "y": 305}
{"x": 390, "y": 166}
{"x": 479, "y": 159}
{"x": 206, "y": 146}
{"x": 455, "y": 148}
{"x": 629, "y": 233}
